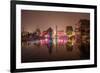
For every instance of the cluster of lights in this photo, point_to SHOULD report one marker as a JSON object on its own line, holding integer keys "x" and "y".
{"x": 60, "y": 38}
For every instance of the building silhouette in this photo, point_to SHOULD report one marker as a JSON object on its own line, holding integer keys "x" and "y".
{"x": 82, "y": 33}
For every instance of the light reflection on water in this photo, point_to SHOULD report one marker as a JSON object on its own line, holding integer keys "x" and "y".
{"x": 48, "y": 50}
{"x": 50, "y": 43}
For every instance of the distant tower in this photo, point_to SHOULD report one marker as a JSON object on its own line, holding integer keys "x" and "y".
{"x": 56, "y": 39}
{"x": 38, "y": 32}
{"x": 50, "y": 40}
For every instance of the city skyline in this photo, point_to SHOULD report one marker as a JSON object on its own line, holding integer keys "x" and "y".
{"x": 54, "y": 36}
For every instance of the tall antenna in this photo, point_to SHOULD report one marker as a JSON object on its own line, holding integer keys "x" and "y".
{"x": 56, "y": 38}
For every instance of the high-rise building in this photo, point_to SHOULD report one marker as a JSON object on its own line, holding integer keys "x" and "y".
{"x": 69, "y": 30}
{"x": 69, "y": 33}
{"x": 82, "y": 36}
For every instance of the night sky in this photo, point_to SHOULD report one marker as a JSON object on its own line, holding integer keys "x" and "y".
{"x": 30, "y": 19}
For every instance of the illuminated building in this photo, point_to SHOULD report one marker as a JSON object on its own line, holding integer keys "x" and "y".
{"x": 82, "y": 36}
{"x": 70, "y": 35}
{"x": 69, "y": 30}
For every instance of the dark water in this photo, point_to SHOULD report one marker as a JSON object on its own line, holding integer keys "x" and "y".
{"x": 49, "y": 50}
